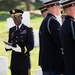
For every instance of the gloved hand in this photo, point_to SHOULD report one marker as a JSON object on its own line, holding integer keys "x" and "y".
{"x": 17, "y": 48}
{"x": 8, "y": 46}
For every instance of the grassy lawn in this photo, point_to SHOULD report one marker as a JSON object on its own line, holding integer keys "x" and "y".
{"x": 35, "y": 23}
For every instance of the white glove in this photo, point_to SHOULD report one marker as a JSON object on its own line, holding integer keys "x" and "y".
{"x": 17, "y": 48}
{"x": 7, "y": 46}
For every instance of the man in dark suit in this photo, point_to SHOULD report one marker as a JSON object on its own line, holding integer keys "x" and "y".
{"x": 67, "y": 36}
{"x": 50, "y": 54}
{"x": 21, "y": 42}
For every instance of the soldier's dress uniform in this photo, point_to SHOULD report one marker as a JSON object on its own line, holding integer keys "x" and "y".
{"x": 50, "y": 55}
{"x": 20, "y": 61}
{"x": 67, "y": 36}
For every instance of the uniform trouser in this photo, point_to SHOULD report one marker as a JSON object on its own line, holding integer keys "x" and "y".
{"x": 20, "y": 72}
{"x": 70, "y": 74}
{"x": 50, "y": 73}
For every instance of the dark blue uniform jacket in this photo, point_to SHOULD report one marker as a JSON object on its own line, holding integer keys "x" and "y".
{"x": 24, "y": 38}
{"x": 68, "y": 44}
{"x": 50, "y": 56}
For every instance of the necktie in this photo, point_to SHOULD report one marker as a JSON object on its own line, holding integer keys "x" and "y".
{"x": 17, "y": 28}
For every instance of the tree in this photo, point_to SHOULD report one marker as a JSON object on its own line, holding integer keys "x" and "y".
{"x": 21, "y": 4}
{"x": 7, "y": 5}
{"x": 27, "y": 5}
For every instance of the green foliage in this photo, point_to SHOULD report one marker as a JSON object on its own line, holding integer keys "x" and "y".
{"x": 36, "y": 5}
{"x": 4, "y": 15}
{"x": 6, "y": 5}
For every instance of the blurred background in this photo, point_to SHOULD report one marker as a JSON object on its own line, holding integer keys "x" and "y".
{"x": 22, "y": 4}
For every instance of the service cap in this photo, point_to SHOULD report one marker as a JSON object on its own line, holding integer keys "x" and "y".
{"x": 68, "y": 3}
{"x": 16, "y": 12}
{"x": 51, "y": 3}
{"x": 43, "y": 9}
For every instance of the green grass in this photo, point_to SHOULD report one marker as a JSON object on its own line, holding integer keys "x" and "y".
{"x": 35, "y": 23}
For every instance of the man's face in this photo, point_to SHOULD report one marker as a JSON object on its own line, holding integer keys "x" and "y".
{"x": 74, "y": 9}
{"x": 17, "y": 20}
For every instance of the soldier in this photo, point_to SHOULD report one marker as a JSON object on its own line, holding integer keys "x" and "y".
{"x": 20, "y": 43}
{"x": 44, "y": 11}
{"x": 67, "y": 36}
{"x": 50, "y": 55}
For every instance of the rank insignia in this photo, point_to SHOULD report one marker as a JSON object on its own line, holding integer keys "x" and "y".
{"x": 23, "y": 32}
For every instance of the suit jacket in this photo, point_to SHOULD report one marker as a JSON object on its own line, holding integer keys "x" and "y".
{"x": 50, "y": 56}
{"x": 68, "y": 44}
{"x": 24, "y": 38}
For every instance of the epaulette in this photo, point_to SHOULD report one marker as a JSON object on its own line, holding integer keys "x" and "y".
{"x": 29, "y": 26}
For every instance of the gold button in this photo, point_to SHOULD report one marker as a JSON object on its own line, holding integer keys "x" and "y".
{"x": 16, "y": 37}
{"x": 21, "y": 36}
{"x": 16, "y": 41}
